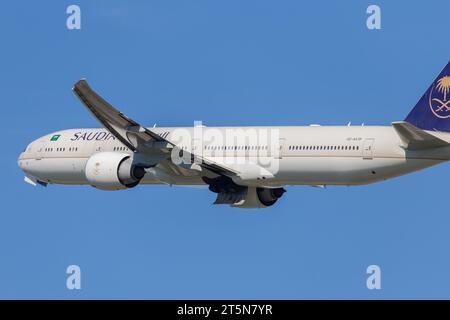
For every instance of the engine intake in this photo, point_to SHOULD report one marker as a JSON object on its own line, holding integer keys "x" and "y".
{"x": 129, "y": 174}
{"x": 268, "y": 197}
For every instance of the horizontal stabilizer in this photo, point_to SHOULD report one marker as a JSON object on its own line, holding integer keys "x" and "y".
{"x": 414, "y": 138}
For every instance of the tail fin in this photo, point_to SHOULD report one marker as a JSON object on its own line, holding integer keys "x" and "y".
{"x": 432, "y": 112}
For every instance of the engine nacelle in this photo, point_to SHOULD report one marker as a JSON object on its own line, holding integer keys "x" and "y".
{"x": 259, "y": 198}
{"x": 228, "y": 192}
{"x": 268, "y": 197}
{"x": 113, "y": 171}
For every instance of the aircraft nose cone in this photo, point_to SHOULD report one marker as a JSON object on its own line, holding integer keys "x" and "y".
{"x": 20, "y": 162}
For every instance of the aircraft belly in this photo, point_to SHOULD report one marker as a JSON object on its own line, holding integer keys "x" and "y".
{"x": 175, "y": 180}
{"x": 58, "y": 170}
{"x": 345, "y": 170}
{"x": 70, "y": 171}
{"x": 291, "y": 171}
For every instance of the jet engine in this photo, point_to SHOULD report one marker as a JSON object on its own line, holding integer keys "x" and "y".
{"x": 268, "y": 197}
{"x": 228, "y": 192}
{"x": 113, "y": 171}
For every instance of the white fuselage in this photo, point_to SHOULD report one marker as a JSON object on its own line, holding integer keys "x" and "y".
{"x": 311, "y": 155}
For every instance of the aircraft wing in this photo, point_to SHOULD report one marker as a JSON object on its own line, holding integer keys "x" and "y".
{"x": 132, "y": 134}
{"x": 129, "y": 132}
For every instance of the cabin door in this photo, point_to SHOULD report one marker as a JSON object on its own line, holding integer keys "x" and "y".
{"x": 368, "y": 148}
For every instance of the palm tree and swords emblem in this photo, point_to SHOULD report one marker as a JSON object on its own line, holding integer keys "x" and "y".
{"x": 439, "y": 105}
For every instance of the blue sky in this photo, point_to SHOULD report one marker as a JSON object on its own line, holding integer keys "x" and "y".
{"x": 225, "y": 63}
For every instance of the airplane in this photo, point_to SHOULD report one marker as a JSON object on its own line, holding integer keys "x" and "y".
{"x": 247, "y": 167}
